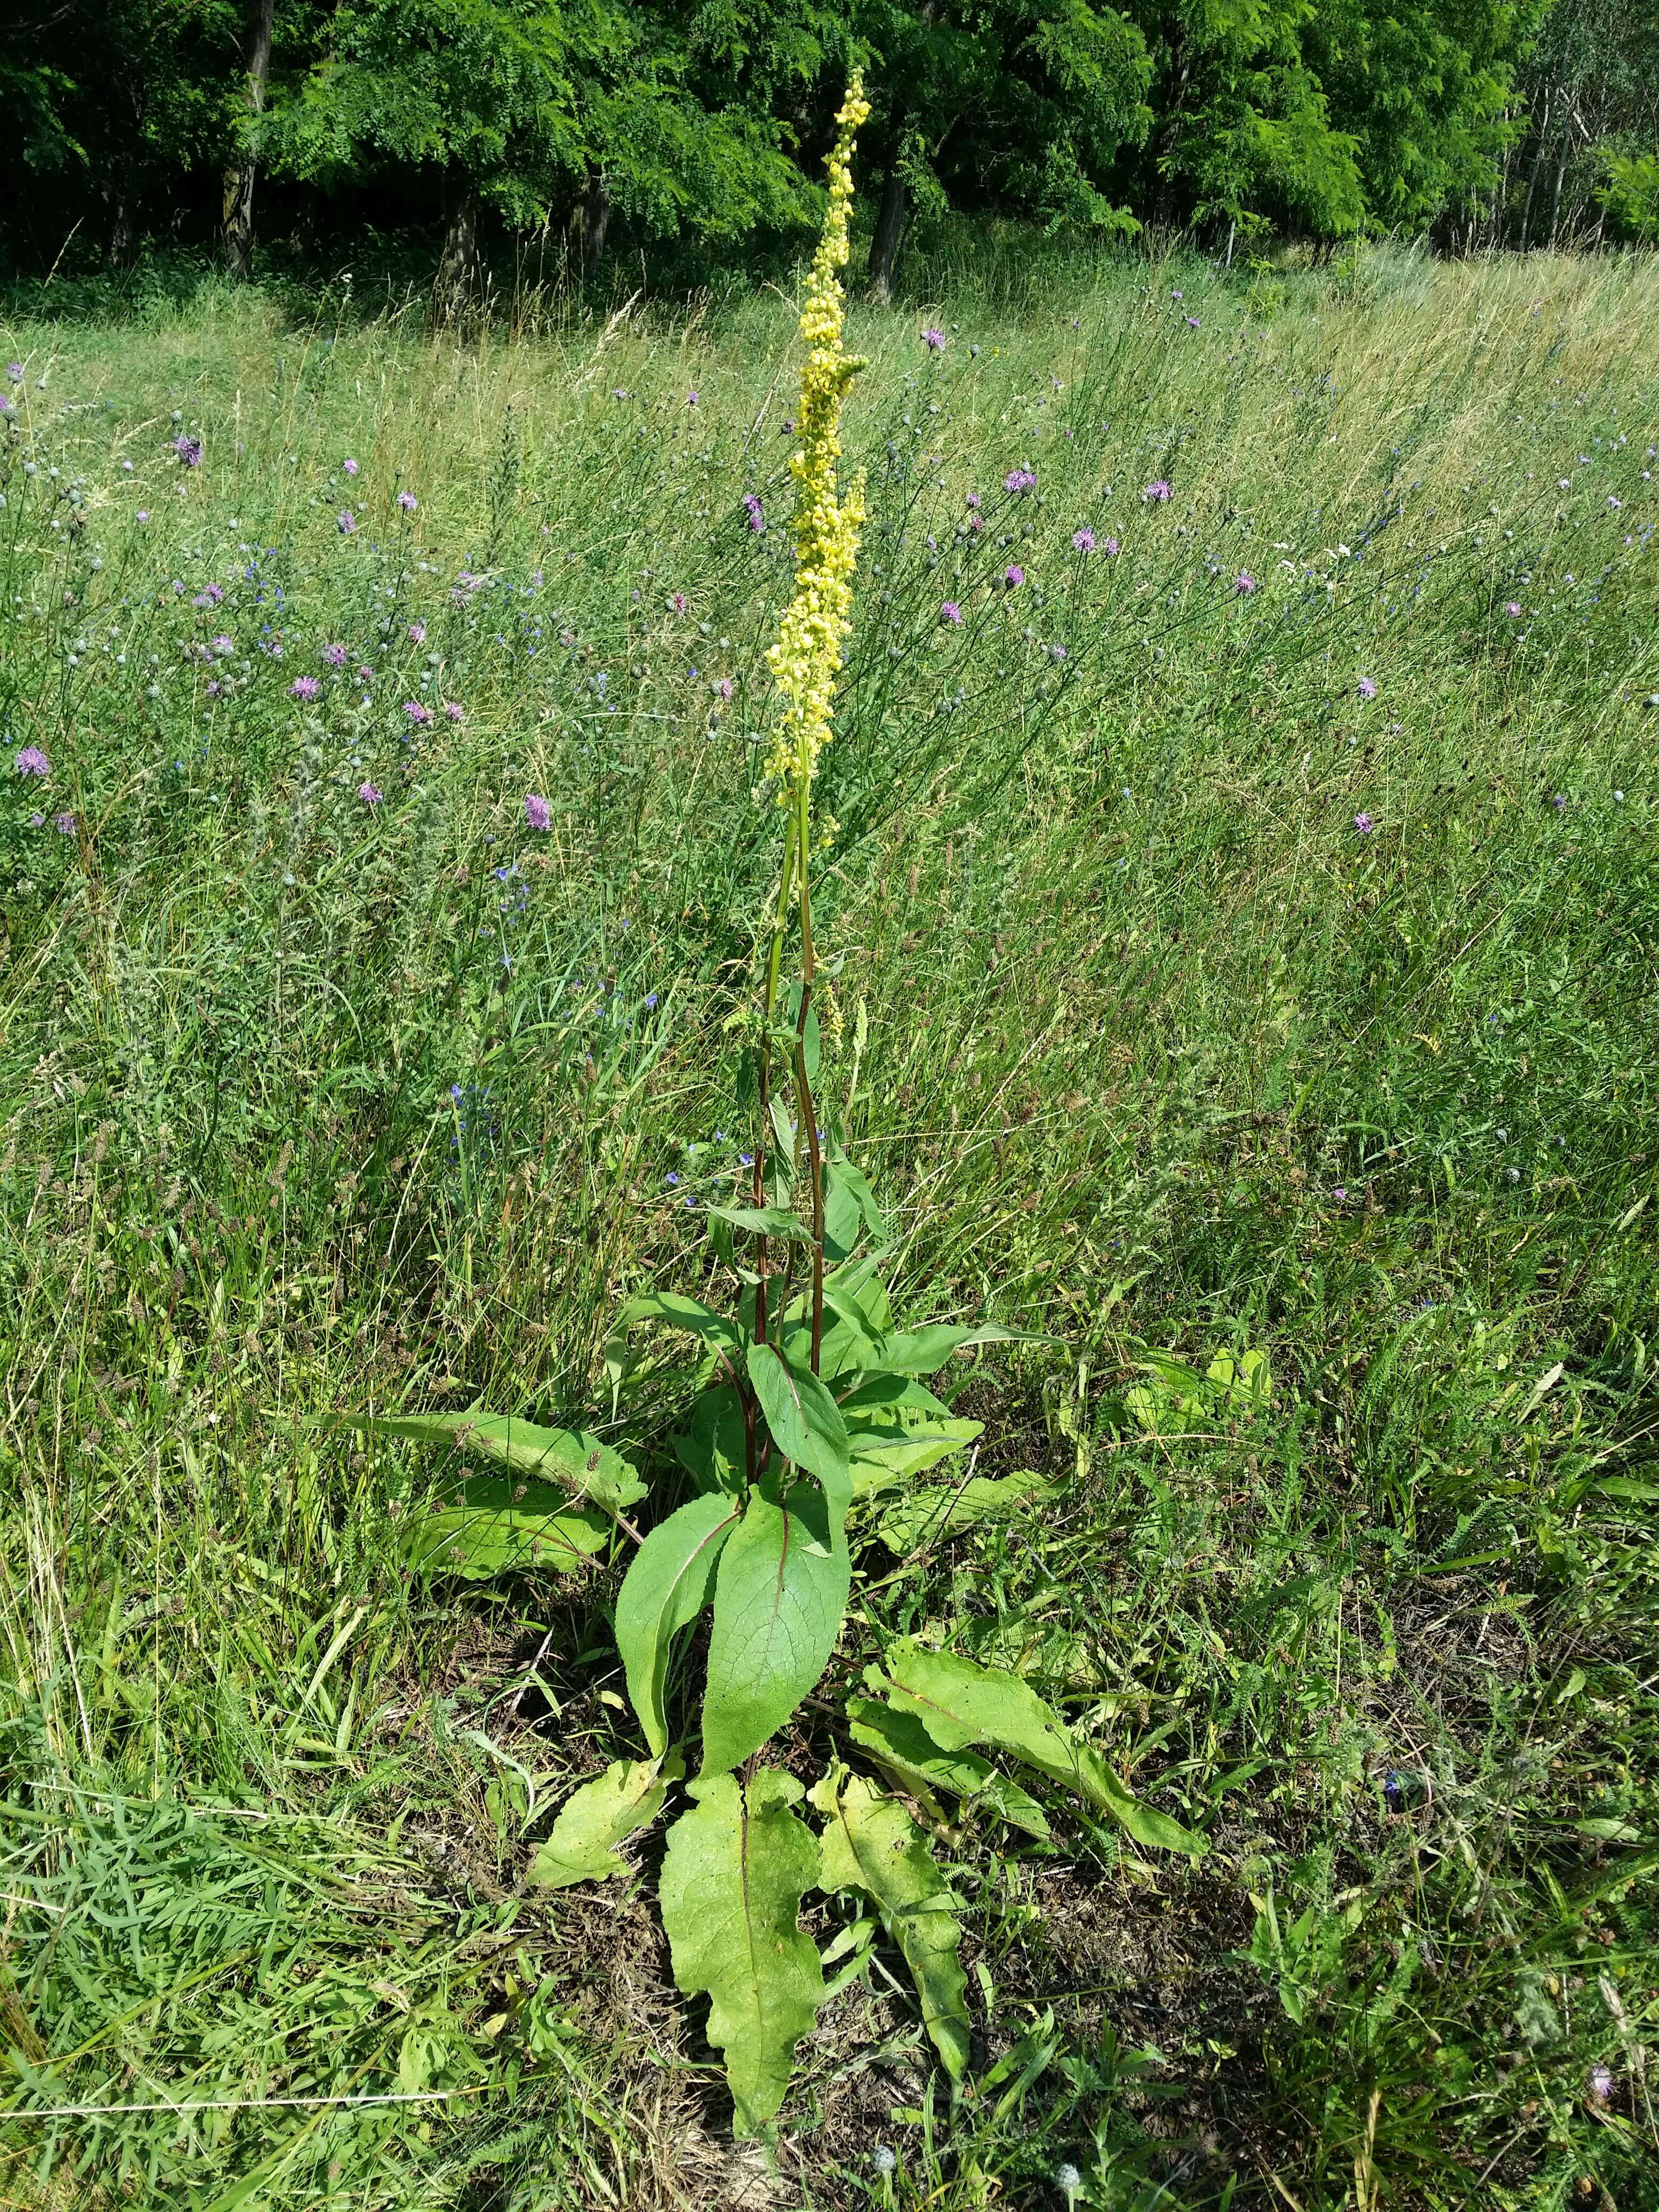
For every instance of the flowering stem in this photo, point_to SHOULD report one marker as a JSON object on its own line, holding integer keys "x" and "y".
{"x": 763, "y": 1136}
{"x": 809, "y": 1121}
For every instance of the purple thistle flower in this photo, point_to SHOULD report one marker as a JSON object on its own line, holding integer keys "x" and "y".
{"x": 973, "y": 499}
{"x": 453, "y": 711}
{"x": 365, "y": 674}
{"x": 210, "y": 597}
{"x": 933, "y": 340}
{"x": 1339, "y": 1193}
{"x": 407, "y": 500}
{"x": 1601, "y": 2084}
{"x": 1158, "y": 491}
{"x": 1174, "y": 294}
{"x": 677, "y": 603}
{"x": 1243, "y": 583}
{"x": 347, "y": 521}
{"x": 752, "y": 505}
{"x": 418, "y": 713}
{"x": 64, "y": 824}
{"x": 32, "y": 762}
{"x": 1019, "y": 480}
{"x": 1363, "y": 823}
{"x": 1367, "y": 688}
{"x": 1110, "y": 546}
{"x": 691, "y": 399}
{"x": 1013, "y": 575}
{"x": 142, "y": 515}
{"x": 370, "y": 793}
{"x": 1512, "y": 608}
{"x": 188, "y": 449}
{"x": 334, "y": 655}
{"x": 1083, "y": 539}
{"x": 15, "y": 370}
{"x": 1193, "y": 322}
{"x": 722, "y": 687}
{"x": 305, "y": 687}
{"x": 1558, "y": 801}
{"x": 951, "y": 614}
{"x": 350, "y": 466}
{"x": 537, "y": 811}
{"x": 223, "y": 645}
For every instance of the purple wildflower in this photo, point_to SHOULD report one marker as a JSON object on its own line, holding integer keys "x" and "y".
{"x": 1193, "y": 322}
{"x": 1367, "y": 688}
{"x": 370, "y": 793}
{"x": 350, "y": 466}
{"x": 1339, "y": 1193}
{"x": 142, "y": 515}
{"x": 407, "y": 500}
{"x": 1158, "y": 492}
{"x": 1019, "y": 480}
{"x": 973, "y": 499}
{"x": 209, "y": 597}
{"x": 188, "y": 449}
{"x": 722, "y": 687}
{"x": 15, "y": 370}
{"x": 1174, "y": 294}
{"x": 1601, "y": 2084}
{"x": 32, "y": 762}
{"x": 1243, "y": 583}
{"x": 64, "y": 824}
{"x": 1013, "y": 575}
{"x": 1110, "y": 546}
{"x": 951, "y": 614}
{"x": 691, "y": 399}
{"x": 305, "y": 687}
{"x": 1558, "y": 801}
{"x": 677, "y": 603}
{"x": 1363, "y": 823}
{"x": 334, "y": 655}
{"x": 223, "y": 645}
{"x": 1083, "y": 539}
{"x": 418, "y": 713}
{"x": 651, "y": 1002}
{"x": 417, "y": 633}
{"x": 347, "y": 521}
{"x": 933, "y": 340}
{"x": 453, "y": 711}
{"x": 1512, "y": 608}
{"x": 537, "y": 811}
{"x": 752, "y": 507}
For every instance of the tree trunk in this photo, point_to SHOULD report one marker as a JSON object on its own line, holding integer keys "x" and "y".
{"x": 118, "y": 253}
{"x": 1537, "y": 164}
{"x": 457, "y": 268}
{"x": 239, "y": 176}
{"x": 892, "y": 222}
{"x": 1555, "y": 204}
{"x": 590, "y": 219}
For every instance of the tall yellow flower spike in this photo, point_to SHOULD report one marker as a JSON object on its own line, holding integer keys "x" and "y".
{"x": 807, "y": 652}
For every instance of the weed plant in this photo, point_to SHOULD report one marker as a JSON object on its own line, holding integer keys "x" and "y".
{"x": 1236, "y": 962}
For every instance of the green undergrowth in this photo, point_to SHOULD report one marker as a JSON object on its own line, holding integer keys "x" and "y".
{"x": 1323, "y": 1152}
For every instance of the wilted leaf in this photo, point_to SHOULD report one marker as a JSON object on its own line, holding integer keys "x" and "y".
{"x": 735, "y": 1868}
{"x": 579, "y": 1462}
{"x": 497, "y": 1524}
{"x": 871, "y": 1843}
{"x": 581, "y": 1843}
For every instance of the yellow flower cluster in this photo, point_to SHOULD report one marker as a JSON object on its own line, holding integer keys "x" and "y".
{"x": 807, "y": 652}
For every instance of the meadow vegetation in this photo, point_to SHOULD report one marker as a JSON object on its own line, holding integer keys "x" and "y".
{"x": 1237, "y": 970}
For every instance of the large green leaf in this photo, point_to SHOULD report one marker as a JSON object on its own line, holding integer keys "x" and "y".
{"x": 498, "y": 1525}
{"x": 689, "y": 1314}
{"x": 735, "y": 1868}
{"x": 900, "y": 1744}
{"x": 897, "y": 1427}
{"x": 581, "y": 1463}
{"x": 666, "y": 1587}
{"x": 925, "y": 1351}
{"x": 713, "y": 1446}
{"x": 963, "y": 1704}
{"x": 764, "y": 1221}
{"x": 926, "y": 1517}
{"x": 805, "y": 1421}
{"x": 778, "y": 1598}
{"x": 871, "y": 1843}
{"x": 581, "y": 1845}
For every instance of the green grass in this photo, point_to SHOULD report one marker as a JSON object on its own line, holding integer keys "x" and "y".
{"x": 1144, "y": 1042}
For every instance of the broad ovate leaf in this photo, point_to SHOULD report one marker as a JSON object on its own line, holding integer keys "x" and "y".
{"x": 581, "y": 1845}
{"x": 900, "y": 1745}
{"x": 713, "y": 1448}
{"x": 666, "y": 1588}
{"x": 962, "y": 1705}
{"x": 763, "y": 1221}
{"x": 674, "y": 1311}
{"x": 925, "y": 1351}
{"x": 805, "y": 1421}
{"x": 498, "y": 1524}
{"x": 580, "y": 1463}
{"x": 870, "y": 1843}
{"x": 737, "y": 1867}
{"x": 897, "y": 1428}
{"x": 780, "y": 1594}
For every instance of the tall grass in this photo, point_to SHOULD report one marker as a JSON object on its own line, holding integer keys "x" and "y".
{"x": 315, "y": 1098}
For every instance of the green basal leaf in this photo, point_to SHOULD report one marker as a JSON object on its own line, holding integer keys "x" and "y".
{"x": 713, "y": 1446}
{"x": 898, "y": 1427}
{"x": 870, "y": 1843}
{"x": 763, "y": 1221}
{"x": 689, "y": 1314}
{"x": 805, "y": 1420}
{"x": 779, "y": 1599}
{"x": 666, "y": 1588}
{"x": 858, "y": 1283}
{"x": 929, "y": 1515}
{"x": 581, "y": 1845}
{"x": 578, "y": 1461}
{"x": 735, "y": 1871}
{"x": 900, "y": 1744}
{"x": 962, "y": 1705}
{"x": 499, "y": 1525}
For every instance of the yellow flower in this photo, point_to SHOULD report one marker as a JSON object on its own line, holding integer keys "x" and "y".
{"x": 806, "y": 655}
